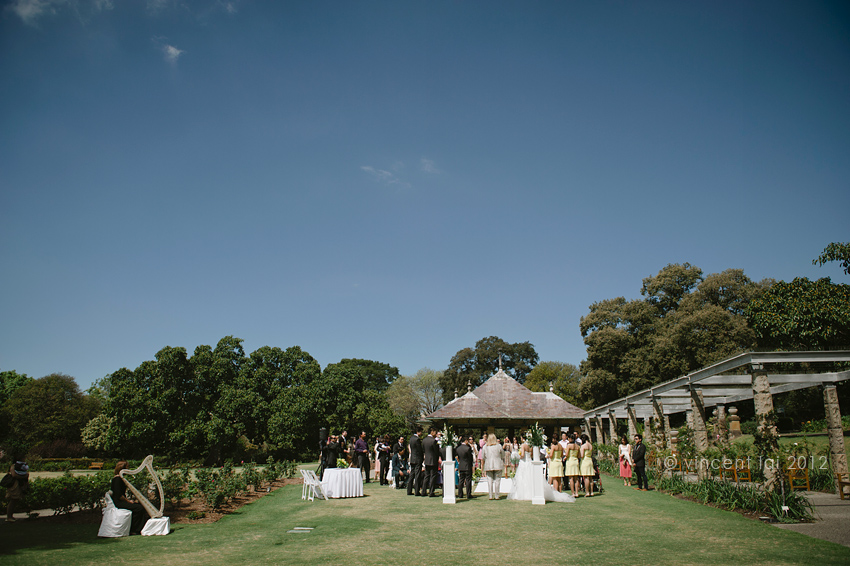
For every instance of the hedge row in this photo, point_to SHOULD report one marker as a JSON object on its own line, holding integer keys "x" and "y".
{"x": 215, "y": 486}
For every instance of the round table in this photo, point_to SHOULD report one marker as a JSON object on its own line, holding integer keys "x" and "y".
{"x": 342, "y": 482}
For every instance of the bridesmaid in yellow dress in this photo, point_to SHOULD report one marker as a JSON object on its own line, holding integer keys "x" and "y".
{"x": 571, "y": 469}
{"x": 556, "y": 464}
{"x": 587, "y": 465}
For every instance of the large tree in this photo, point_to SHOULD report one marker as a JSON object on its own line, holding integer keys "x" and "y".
{"x": 683, "y": 322}
{"x": 411, "y": 397}
{"x": 802, "y": 315}
{"x": 563, "y": 378}
{"x": 475, "y": 365}
{"x": 47, "y": 411}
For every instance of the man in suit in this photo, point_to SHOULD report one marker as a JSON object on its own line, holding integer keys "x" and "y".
{"x": 464, "y": 468}
{"x": 414, "y": 482}
{"x": 432, "y": 462}
{"x": 639, "y": 459}
{"x": 361, "y": 452}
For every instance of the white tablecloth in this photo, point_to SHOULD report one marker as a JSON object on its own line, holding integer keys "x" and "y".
{"x": 343, "y": 482}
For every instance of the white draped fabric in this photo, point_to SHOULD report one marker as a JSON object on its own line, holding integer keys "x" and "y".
{"x": 342, "y": 482}
{"x": 522, "y": 489}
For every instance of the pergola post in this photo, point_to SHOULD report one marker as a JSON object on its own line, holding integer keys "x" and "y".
{"x": 723, "y": 429}
{"x": 647, "y": 431}
{"x": 660, "y": 436}
{"x": 837, "y": 451}
{"x": 612, "y": 426}
{"x": 697, "y": 416}
{"x": 763, "y": 400}
{"x": 588, "y": 430}
{"x": 630, "y": 410}
{"x": 668, "y": 432}
{"x": 600, "y": 430}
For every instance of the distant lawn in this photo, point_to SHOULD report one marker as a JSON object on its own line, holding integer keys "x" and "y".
{"x": 623, "y": 526}
{"x": 822, "y": 442}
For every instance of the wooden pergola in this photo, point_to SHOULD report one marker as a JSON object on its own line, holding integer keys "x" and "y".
{"x": 755, "y": 375}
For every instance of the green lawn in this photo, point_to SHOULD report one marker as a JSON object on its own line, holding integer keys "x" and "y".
{"x": 623, "y": 526}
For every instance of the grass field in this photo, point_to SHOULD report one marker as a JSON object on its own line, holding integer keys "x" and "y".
{"x": 622, "y": 526}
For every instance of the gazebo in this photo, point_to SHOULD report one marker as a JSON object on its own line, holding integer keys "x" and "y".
{"x": 503, "y": 402}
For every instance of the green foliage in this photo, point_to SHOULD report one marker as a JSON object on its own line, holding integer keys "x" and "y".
{"x": 47, "y": 410}
{"x": 9, "y": 382}
{"x": 474, "y": 366}
{"x": 410, "y": 397}
{"x": 835, "y": 252}
{"x": 565, "y": 380}
{"x": 802, "y": 315}
{"x": 729, "y": 495}
{"x": 684, "y": 322}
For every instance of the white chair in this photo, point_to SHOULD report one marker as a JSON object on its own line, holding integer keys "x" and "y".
{"x": 313, "y": 486}
{"x": 115, "y": 522}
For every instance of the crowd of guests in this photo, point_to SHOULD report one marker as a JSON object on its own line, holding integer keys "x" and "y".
{"x": 415, "y": 464}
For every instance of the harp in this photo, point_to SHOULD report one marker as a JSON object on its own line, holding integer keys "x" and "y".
{"x": 147, "y": 464}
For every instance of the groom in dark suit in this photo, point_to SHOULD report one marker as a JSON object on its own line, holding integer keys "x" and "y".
{"x": 432, "y": 462}
{"x": 414, "y": 483}
{"x": 464, "y": 468}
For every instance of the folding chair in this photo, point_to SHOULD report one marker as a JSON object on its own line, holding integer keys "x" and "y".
{"x": 316, "y": 488}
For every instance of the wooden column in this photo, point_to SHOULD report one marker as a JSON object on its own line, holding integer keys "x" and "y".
{"x": 697, "y": 415}
{"x": 612, "y": 426}
{"x": 660, "y": 434}
{"x": 837, "y": 451}
{"x": 588, "y": 430}
{"x": 763, "y": 400}
{"x": 630, "y": 409}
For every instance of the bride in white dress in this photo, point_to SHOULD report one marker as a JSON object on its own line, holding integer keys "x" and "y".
{"x": 521, "y": 488}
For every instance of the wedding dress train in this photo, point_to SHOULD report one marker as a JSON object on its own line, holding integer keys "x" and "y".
{"x": 522, "y": 489}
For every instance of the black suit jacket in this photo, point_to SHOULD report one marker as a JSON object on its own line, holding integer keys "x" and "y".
{"x": 416, "y": 453}
{"x": 639, "y": 455}
{"x": 432, "y": 451}
{"x": 464, "y": 458}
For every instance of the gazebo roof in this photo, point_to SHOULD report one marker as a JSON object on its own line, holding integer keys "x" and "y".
{"x": 502, "y": 398}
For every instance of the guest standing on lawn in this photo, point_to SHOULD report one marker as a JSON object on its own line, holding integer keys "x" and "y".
{"x": 571, "y": 467}
{"x": 639, "y": 459}
{"x": 626, "y": 461}
{"x": 361, "y": 453}
{"x": 493, "y": 464}
{"x": 556, "y": 464}
{"x": 15, "y": 493}
{"x": 414, "y": 483}
{"x": 464, "y": 468}
{"x": 432, "y": 463}
{"x": 586, "y": 467}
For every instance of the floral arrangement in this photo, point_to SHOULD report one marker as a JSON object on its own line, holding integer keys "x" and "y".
{"x": 535, "y": 437}
{"x": 449, "y": 438}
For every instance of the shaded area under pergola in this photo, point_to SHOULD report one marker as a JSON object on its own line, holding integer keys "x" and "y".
{"x": 755, "y": 375}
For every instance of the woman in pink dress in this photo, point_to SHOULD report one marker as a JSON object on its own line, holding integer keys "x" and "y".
{"x": 625, "y": 461}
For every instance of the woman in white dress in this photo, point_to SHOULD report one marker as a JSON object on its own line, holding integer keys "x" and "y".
{"x": 522, "y": 488}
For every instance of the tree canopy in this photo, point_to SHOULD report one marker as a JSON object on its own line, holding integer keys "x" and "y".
{"x": 802, "y": 315}
{"x": 414, "y": 396}
{"x": 475, "y": 365}
{"x": 835, "y": 251}
{"x": 50, "y": 410}
{"x": 565, "y": 379}
{"x": 683, "y": 322}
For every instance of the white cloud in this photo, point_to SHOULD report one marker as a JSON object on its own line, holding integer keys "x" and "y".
{"x": 384, "y": 177}
{"x": 30, "y": 10}
{"x": 428, "y": 166}
{"x": 171, "y": 53}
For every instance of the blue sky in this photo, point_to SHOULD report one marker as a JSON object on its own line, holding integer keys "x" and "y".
{"x": 397, "y": 180}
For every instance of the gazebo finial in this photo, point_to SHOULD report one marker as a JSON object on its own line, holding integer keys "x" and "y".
{"x": 500, "y": 361}
{"x": 455, "y": 392}
{"x": 469, "y": 386}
